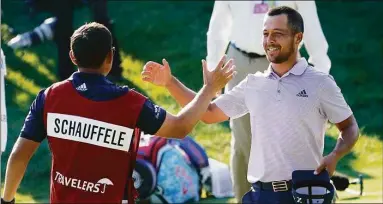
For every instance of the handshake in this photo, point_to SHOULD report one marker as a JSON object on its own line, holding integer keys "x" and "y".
{"x": 160, "y": 74}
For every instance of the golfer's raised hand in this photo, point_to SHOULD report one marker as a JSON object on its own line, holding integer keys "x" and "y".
{"x": 156, "y": 73}
{"x": 218, "y": 78}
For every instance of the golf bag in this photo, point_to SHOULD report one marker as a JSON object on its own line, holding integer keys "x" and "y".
{"x": 171, "y": 170}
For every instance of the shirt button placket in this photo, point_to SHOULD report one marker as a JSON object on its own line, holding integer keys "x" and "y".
{"x": 279, "y": 95}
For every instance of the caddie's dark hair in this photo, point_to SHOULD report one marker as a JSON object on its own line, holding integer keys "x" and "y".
{"x": 294, "y": 18}
{"x": 90, "y": 45}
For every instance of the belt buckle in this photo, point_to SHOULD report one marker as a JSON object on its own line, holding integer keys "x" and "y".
{"x": 279, "y": 186}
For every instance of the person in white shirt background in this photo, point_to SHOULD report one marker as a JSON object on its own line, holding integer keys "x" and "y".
{"x": 3, "y": 111}
{"x": 236, "y": 28}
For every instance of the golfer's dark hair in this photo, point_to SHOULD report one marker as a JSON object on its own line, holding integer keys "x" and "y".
{"x": 90, "y": 45}
{"x": 294, "y": 18}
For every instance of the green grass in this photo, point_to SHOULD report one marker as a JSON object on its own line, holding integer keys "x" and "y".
{"x": 177, "y": 31}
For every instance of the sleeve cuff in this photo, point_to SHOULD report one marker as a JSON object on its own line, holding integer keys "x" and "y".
{"x": 25, "y": 135}
{"x": 228, "y": 109}
{"x": 341, "y": 118}
{"x": 7, "y": 202}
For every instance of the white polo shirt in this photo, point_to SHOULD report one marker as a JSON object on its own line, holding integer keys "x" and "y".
{"x": 288, "y": 118}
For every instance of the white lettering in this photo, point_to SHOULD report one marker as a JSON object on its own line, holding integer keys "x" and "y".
{"x": 57, "y": 175}
{"x": 74, "y": 183}
{"x": 84, "y": 185}
{"x": 61, "y": 179}
{"x": 98, "y": 187}
{"x": 79, "y": 184}
{"x": 299, "y": 200}
{"x": 89, "y": 187}
{"x": 67, "y": 180}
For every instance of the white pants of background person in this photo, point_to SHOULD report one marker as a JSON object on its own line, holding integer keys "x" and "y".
{"x": 240, "y": 127}
{"x": 3, "y": 111}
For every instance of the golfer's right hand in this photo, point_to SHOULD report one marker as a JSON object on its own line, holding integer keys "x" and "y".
{"x": 218, "y": 78}
{"x": 156, "y": 73}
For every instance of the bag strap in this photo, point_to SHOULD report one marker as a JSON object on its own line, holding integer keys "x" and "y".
{"x": 161, "y": 198}
{"x": 150, "y": 152}
{"x": 196, "y": 152}
{"x": 157, "y": 145}
{"x": 132, "y": 191}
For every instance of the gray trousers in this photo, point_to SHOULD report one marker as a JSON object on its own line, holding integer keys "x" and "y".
{"x": 240, "y": 127}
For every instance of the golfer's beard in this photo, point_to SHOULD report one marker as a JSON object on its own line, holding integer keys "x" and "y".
{"x": 283, "y": 57}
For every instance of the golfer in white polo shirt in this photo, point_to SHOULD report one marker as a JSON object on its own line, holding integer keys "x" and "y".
{"x": 236, "y": 28}
{"x": 289, "y": 105}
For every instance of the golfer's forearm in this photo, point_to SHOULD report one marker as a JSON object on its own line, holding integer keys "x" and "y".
{"x": 193, "y": 111}
{"x": 180, "y": 92}
{"x": 15, "y": 171}
{"x": 346, "y": 141}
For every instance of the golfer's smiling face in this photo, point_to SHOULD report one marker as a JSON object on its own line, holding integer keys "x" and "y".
{"x": 278, "y": 38}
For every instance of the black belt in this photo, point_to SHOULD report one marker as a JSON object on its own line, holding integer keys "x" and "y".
{"x": 275, "y": 186}
{"x": 248, "y": 54}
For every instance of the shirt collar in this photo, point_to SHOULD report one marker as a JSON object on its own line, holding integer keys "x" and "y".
{"x": 297, "y": 69}
{"x": 91, "y": 78}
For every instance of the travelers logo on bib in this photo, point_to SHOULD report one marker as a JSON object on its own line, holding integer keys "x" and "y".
{"x": 94, "y": 187}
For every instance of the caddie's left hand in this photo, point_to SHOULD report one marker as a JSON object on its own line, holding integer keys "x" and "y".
{"x": 329, "y": 163}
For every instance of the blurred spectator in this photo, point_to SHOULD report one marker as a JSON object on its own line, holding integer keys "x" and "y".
{"x": 3, "y": 110}
{"x": 38, "y": 35}
{"x": 60, "y": 27}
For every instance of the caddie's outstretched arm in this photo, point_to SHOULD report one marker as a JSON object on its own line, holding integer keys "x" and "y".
{"x": 160, "y": 75}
